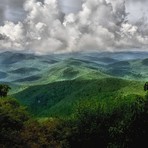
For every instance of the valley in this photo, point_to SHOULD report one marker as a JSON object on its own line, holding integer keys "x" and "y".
{"x": 57, "y": 82}
{"x": 72, "y": 100}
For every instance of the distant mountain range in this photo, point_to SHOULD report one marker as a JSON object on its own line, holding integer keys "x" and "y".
{"x": 30, "y": 69}
{"x": 52, "y": 84}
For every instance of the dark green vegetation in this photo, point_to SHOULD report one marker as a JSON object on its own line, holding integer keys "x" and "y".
{"x": 59, "y": 98}
{"x": 83, "y": 100}
{"x": 12, "y": 118}
{"x": 145, "y": 62}
{"x": 146, "y": 86}
{"x": 120, "y": 122}
{"x": 4, "y": 89}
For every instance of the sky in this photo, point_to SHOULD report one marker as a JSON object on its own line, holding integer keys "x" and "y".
{"x": 45, "y": 26}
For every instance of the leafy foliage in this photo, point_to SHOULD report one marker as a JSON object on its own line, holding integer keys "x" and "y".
{"x": 58, "y": 99}
{"x": 115, "y": 121}
{"x": 12, "y": 118}
{"x": 118, "y": 124}
{"x": 4, "y": 89}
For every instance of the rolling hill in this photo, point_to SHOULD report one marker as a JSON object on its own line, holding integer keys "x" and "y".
{"x": 59, "y": 98}
{"x": 20, "y": 68}
{"x": 52, "y": 84}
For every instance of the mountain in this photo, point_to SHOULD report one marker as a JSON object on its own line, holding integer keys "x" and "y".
{"x": 22, "y": 70}
{"x": 52, "y": 84}
{"x": 59, "y": 98}
{"x": 73, "y": 96}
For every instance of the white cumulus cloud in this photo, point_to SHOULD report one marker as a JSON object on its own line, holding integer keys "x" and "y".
{"x": 99, "y": 25}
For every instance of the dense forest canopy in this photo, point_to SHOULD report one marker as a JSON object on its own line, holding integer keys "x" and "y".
{"x": 121, "y": 122}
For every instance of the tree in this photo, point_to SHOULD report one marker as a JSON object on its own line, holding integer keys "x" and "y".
{"x": 146, "y": 86}
{"x": 4, "y": 89}
{"x": 12, "y": 120}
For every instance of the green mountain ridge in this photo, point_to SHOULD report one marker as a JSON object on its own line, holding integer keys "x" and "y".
{"x": 52, "y": 84}
{"x": 74, "y": 100}
{"x": 58, "y": 98}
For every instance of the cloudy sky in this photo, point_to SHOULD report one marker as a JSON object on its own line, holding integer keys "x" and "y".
{"x": 46, "y": 26}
